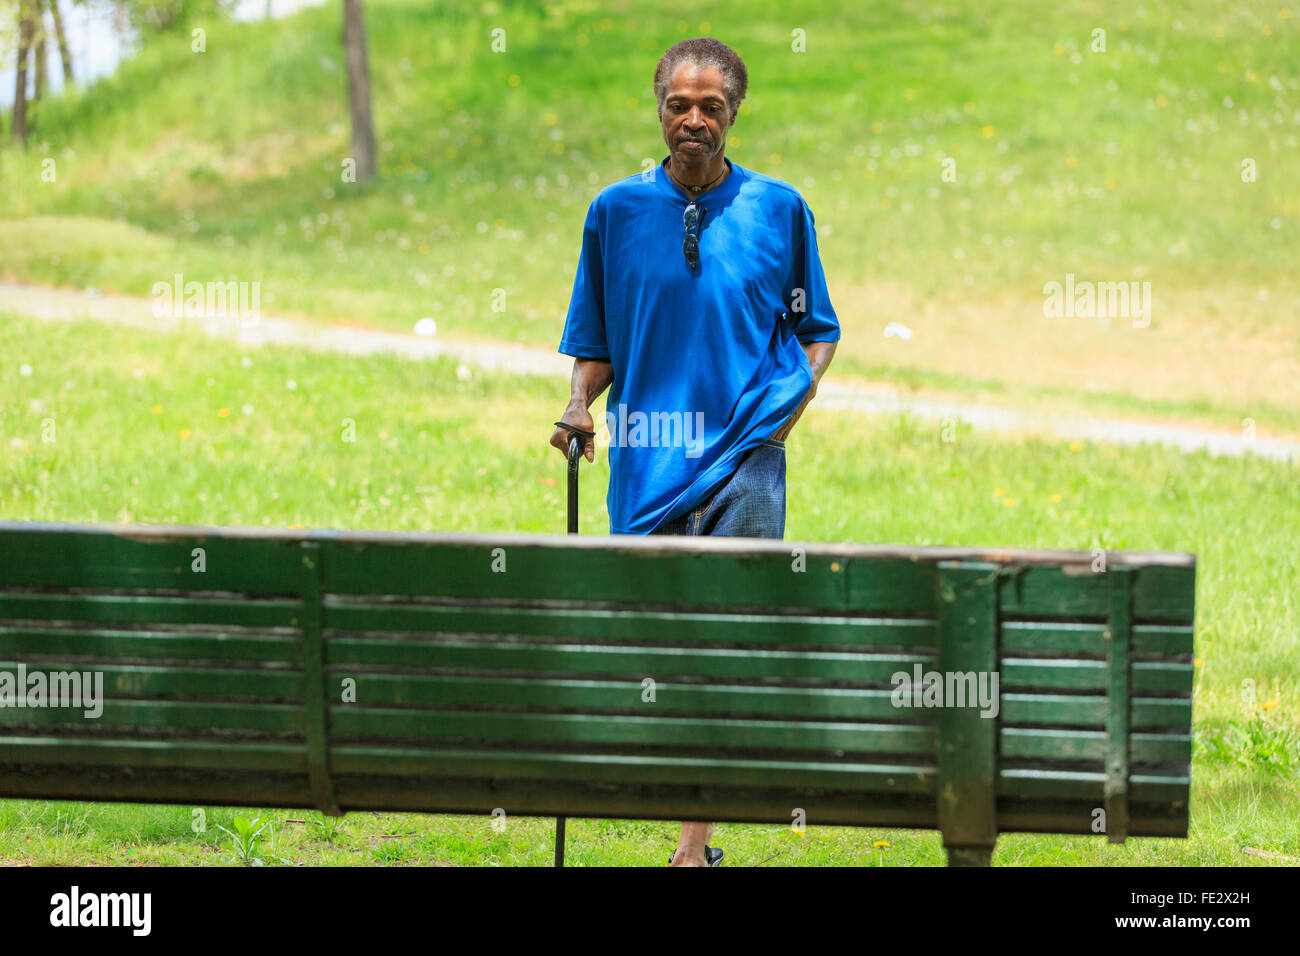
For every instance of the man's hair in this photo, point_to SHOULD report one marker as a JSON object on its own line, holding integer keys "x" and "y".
{"x": 704, "y": 52}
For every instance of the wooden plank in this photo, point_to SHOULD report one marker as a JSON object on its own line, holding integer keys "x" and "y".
{"x": 878, "y": 584}
{"x": 967, "y": 761}
{"x": 139, "y": 680}
{"x": 574, "y": 731}
{"x": 1046, "y": 592}
{"x": 1165, "y": 593}
{"x": 316, "y": 710}
{"x": 1090, "y": 785}
{"x": 1010, "y": 557}
{"x": 561, "y": 694}
{"x": 1091, "y": 710}
{"x": 127, "y": 753}
{"x": 184, "y": 786}
{"x": 1161, "y": 594}
{"x": 142, "y": 558}
{"x": 1023, "y": 743}
{"x": 640, "y": 662}
{"x": 597, "y": 624}
{"x": 546, "y": 798}
{"x": 1076, "y": 638}
{"x": 1065, "y": 674}
{"x": 1066, "y": 816}
{"x": 625, "y": 770}
{"x": 118, "y": 608}
{"x": 1119, "y": 679}
{"x": 674, "y": 579}
{"x": 69, "y": 645}
{"x": 156, "y": 715}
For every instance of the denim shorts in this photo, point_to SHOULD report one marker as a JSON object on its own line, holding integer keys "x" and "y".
{"x": 749, "y": 504}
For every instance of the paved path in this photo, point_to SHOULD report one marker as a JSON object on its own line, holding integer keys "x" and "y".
{"x": 59, "y": 305}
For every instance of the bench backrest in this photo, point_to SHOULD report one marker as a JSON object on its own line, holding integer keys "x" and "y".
{"x": 655, "y": 678}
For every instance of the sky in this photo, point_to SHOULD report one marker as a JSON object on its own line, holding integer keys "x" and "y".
{"x": 97, "y": 46}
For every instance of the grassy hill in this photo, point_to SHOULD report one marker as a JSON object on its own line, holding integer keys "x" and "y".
{"x": 1113, "y": 166}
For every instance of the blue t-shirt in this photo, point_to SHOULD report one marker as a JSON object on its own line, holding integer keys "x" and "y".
{"x": 707, "y": 360}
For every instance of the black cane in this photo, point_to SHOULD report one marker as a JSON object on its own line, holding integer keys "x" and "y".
{"x": 577, "y": 438}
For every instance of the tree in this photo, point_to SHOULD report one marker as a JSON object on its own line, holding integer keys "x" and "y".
{"x": 26, "y": 31}
{"x": 41, "y": 41}
{"x": 354, "y": 48}
{"x": 64, "y": 54}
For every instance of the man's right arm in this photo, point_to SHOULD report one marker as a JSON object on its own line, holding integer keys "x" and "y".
{"x": 590, "y": 378}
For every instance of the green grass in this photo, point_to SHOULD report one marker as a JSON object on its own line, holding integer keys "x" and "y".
{"x": 1114, "y": 166}
{"x": 437, "y": 452}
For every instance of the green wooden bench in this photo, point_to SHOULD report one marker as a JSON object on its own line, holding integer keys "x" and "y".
{"x": 631, "y": 677}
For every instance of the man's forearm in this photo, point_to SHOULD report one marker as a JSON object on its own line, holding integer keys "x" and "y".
{"x": 819, "y": 358}
{"x": 590, "y": 378}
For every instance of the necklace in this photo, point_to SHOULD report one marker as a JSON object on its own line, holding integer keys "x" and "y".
{"x": 696, "y": 189}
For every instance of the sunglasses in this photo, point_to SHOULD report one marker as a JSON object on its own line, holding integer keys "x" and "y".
{"x": 691, "y": 244}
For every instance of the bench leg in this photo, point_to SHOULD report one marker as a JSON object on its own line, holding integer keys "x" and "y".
{"x": 970, "y": 855}
{"x": 559, "y": 841}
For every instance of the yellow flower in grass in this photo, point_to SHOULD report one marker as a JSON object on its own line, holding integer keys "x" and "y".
{"x": 185, "y": 433}
{"x": 881, "y": 845}
{"x": 1009, "y": 502}
{"x": 1196, "y": 662}
{"x": 157, "y": 409}
{"x": 1269, "y": 704}
{"x": 1056, "y": 499}
{"x": 223, "y": 413}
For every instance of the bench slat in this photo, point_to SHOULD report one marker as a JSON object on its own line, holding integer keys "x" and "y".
{"x": 1160, "y": 594}
{"x": 124, "y": 608}
{"x": 138, "y": 680}
{"x": 603, "y": 625}
{"x": 1069, "y": 637}
{"x": 228, "y": 646}
{"x": 644, "y": 661}
{"x": 78, "y": 558}
{"x": 1091, "y": 745}
{"x": 1147, "y": 676}
{"x": 717, "y": 734}
{"x": 535, "y": 572}
{"x": 156, "y": 715}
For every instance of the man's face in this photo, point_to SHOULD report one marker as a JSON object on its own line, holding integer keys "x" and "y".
{"x": 695, "y": 115}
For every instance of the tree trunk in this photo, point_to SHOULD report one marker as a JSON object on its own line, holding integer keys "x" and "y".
{"x": 363, "y": 131}
{"x": 25, "y": 30}
{"x": 64, "y": 53}
{"x": 42, "y": 46}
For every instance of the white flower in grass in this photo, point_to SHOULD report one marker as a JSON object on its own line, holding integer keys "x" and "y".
{"x": 426, "y": 326}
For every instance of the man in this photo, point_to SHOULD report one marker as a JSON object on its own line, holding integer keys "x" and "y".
{"x": 700, "y": 298}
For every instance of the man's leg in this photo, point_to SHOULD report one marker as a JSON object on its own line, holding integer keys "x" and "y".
{"x": 750, "y": 505}
{"x": 690, "y": 845}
